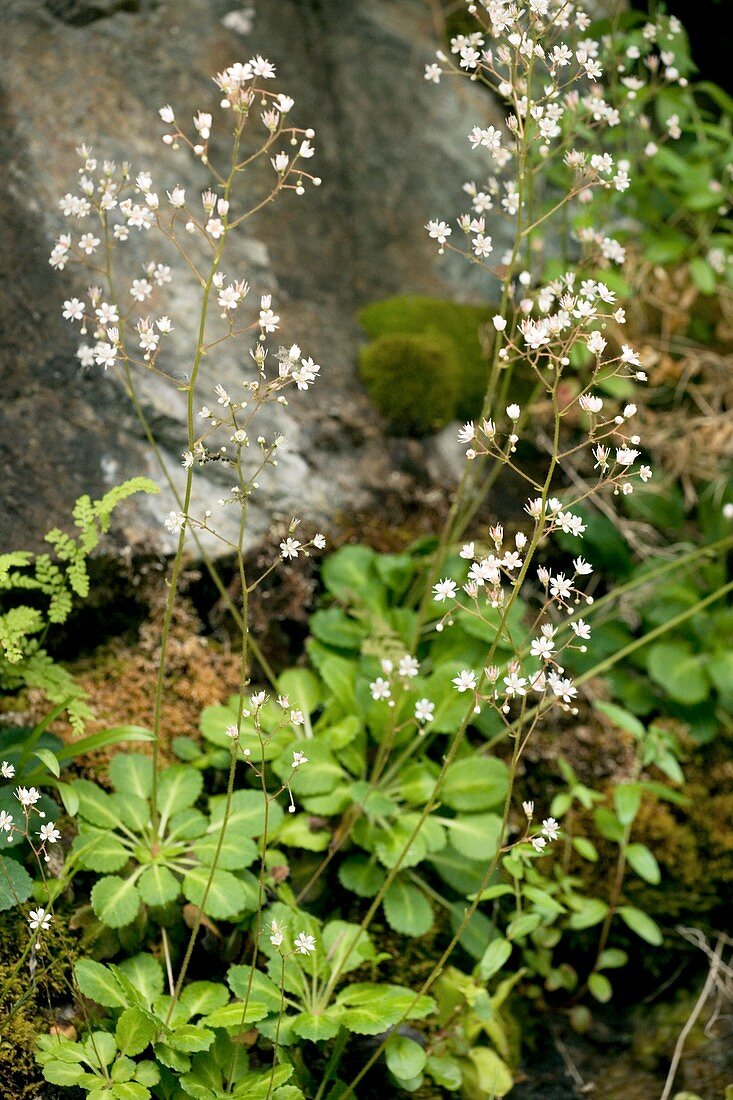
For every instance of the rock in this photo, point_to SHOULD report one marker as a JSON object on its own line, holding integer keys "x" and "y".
{"x": 392, "y": 152}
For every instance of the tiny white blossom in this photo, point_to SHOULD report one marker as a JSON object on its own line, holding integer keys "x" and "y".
{"x": 304, "y": 943}
{"x": 424, "y": 710}
{"x": 465, "y": 681}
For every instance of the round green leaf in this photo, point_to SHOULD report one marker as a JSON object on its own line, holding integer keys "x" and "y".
{"x": 405, "y": 1058}
{"x": 134, "y": 1032}
{"x": 95, "y": 806}
{"x": 680, "y": 672}
{"x": 627, "y": 799}
{"x": 145, "y": 973}
{"x": 477, "y": 783}
{"x": 16, "y": 885}
{"x": 491, "y": 1075}
{"x": 408, "y": 911}
{"x": 132, "y": 773}
{"x": 585, "y": 848}
{"x": 227, "y": 895}
{"x": 361, "y": 876}
{"x": 201, "y": 998}
{"x": 178, "y": 788}
{"x": 475, "y": 835}
{"x": 115, "y": 901}
{"x": 97, "y": 982}
{"x": 100, "y": 850}
{"x": 316, "y": 1028}
{"x": 158, "y": 885}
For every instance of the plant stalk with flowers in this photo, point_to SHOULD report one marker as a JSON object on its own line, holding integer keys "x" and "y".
{"x": 389, "y": 736}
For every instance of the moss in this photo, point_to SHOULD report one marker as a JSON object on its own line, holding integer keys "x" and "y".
{"x": 465, "y": 327}
{"x": 32, "y": 1006}
{"x": 413, "y": 380}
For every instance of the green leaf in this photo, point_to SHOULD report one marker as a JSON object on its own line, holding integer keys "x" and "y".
{"x": 227, "y": 895}
{"x": 130, "y": 1090}
{"x": 247, "y": 813}
{"x": 679, "y": 671}
{"x": 600, "y": 987}
{"x": 371, "y": 1008}
{"x": 158, "y": 885}
{"x": 590, "y": 911}
{"x": 642, "y": 924}
{"x": 145, "y": 973}
{"x": 621, "y": 718}
{"x": 350, "y": 575}
{"x": 643, "y": 862}
{"x": 405, "y": 1058}
{"x": 115, "y": 901}
{"x": 475, "y": 836}
{"x": 95, "y": 806}
{"x": 232, "y": 1017}
{"x": 316, "y": 1028}
{"x": 132, "y": 773}
{"x": 178, "y": 788}
{"x": 201, "y": 998}
{"x": 627, "y": 800}
{"x": 492, "y": 1076}
{"x": 134, "y": 1031}
{"x": 97, "y": 982}
{"x": 302, "y": 687}
{"x": 100, "y": 850}
{"x": 494, "y": 958}
{"x": 477, "y": 932}
{"x": 407, "y": 910}
{"x": 16, "y": 885}
{"x": 445, "y": 1071}
{"x": 611, "y": 959}
{"x": 257, "y": 986}
{"x": 336, "y": 628}
{"x": 585, "y": 848}
{"x": 50, "y": 760}
{"x": 191, "y": 1038}
{"x": 63, "y": 1073}
{"x": 114, "y": 736}
{"x": 477, "y": 783}
{"x": 360, "y": 875}
{"x": 608, "y": 825}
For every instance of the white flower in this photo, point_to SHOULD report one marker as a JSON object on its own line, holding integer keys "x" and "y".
{"x": 499, "y": 323}
{"x": 380, "y": 688}
{"x": 304, "y": 943}
{"x": 202, "y": 122}
{"x": 290, "y": 548}
{"x": 280, "y": 162}
{"x": 424, "y": 710}
{"x": 39, "y": 919}
{"x": 514, "y": 684}
{"x": 27, "y": 796}
{"x": 73, "y": 310}
{"x": 174, "y": 521}
{"x": 6, "y": 821}
{"x": 468, "y": 551}
{"x": 626, "y": 456}
{"x": 513, "y": 412}
{"x": 49, "y": 834}
{"x": 166, "y": 113}
{"x": 580, "y": 628}
{"x": 465, "y": 680}
{"x": 433, "y": 73}
{"x": 444, "y": 590}
{"x": 88, "y": 243}
{"x": 528, "y": 808}
{"x": 439, "y": 231}
{"x": 276, "y": 937}
{"x": 176, "y": 197}
{"x": 299, "y": 758}
{"x": 538, "y": 843}
{"x": 319, "y": 541}
{"x": 408, "y": 666}
{"x": 232, "y": 731}
{"x": 542, "y": 647}
{"x": 466, "y": 433}
{"x": 297, "y": 717}
{"x": 7, "y": 770}
{"x": 550, "y": 828}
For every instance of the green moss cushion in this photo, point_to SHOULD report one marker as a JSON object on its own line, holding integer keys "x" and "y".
{"x": 413, "y": 380}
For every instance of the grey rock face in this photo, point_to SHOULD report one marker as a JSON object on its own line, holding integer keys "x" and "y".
{"x": 392, "y": 153}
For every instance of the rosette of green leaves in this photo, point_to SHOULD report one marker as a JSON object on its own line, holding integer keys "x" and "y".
{"x": 172, "y": 1041}
{"x": 311, "y": 1005}
{"x": 181, "y": 857}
